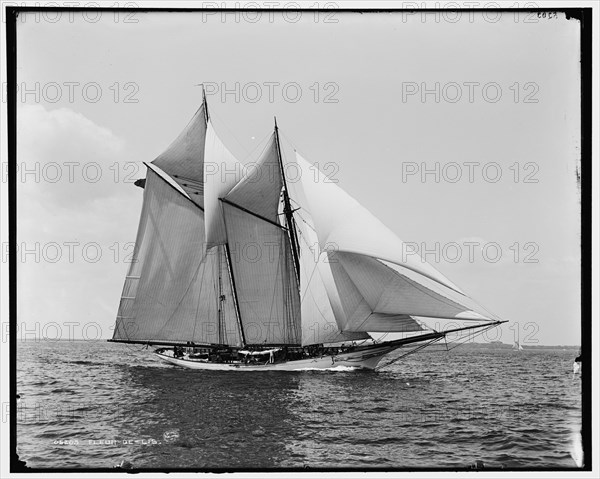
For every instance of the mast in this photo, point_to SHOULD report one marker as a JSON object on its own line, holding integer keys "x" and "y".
{"x": 287, "y": 210}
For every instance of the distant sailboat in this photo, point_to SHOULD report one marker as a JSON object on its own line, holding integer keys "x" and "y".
{"x": 272, "y": 267}
{"x": 517, "y": 346}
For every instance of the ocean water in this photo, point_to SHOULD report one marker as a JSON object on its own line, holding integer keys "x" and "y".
{"x": 94, "y": 404}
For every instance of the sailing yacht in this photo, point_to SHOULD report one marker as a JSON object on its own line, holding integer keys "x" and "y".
{"x": 273, "y": 267}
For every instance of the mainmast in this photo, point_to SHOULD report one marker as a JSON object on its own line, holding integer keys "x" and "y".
{"x": 287, "y": 210}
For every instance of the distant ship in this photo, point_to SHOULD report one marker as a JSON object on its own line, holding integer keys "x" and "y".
{"x": 273, "y": 267}
{"x": 517, "y": 346}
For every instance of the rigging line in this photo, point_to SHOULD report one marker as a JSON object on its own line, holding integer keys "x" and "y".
{"x": 289, "y": 140}
{"x": 264, "y": 140}
{"x": 182, "y": 297}
{"x": 412, "y": 351}
{"x": 303, "y": 238}
{"x": 306, "y": 222}
{"x": 247, "y": 153}
{"x": 472, "y": 337}
{"x": 493, "y": 315}
{"x": 299, "y": 206}
{"x": 223, "y": 124}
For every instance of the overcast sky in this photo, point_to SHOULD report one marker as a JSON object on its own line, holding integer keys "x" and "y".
{"x": 101, "y": 95}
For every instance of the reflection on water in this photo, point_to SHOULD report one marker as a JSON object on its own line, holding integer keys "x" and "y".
{"x": 96, "y": 404}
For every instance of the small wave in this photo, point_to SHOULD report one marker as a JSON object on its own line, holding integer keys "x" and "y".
{"x": 62, "y": 391}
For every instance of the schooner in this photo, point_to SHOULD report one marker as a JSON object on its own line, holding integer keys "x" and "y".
{"x": 271, "y": 266}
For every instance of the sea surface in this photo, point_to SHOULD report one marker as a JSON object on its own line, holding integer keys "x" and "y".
{"x": 94, "y": 404}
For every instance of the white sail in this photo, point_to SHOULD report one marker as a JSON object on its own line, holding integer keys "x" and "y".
{"x": 343, "y": 223}
{"x": 394, "y": 294}
{"x": 171, "y": 291}
{"x": 260, "y": 188}
{"x": 221, "y": 173}
{"x": 183, "y": 160}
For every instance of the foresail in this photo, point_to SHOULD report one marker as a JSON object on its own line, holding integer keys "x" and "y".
{"x": 183, "y": 160}
{"x": 171, "y": 290}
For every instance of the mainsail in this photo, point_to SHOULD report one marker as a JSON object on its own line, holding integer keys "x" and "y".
{"x": 171, "y": 291}
{"x": 227, "y": 255}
